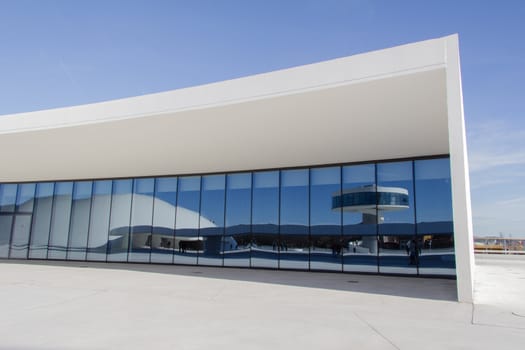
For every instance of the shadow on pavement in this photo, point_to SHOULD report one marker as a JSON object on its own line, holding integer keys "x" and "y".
{"x": 411, "y": 287}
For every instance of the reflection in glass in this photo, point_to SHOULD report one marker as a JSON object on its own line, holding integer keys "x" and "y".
{"x": 78, "y": 231}
{"x": 118, "y": 238}
{"x": 60, "y": 220}
{"x": 99, "y": 220}
{"x": 25, "y": 198}
{"x": 22, "y": 223}
{"x": 265, "y": 220}
{"x": 393, "y": 217}
{"x": 358, "y": 201}
{"x": 238, "y": 239}
{"x": 163, "y": 236}
{"x": 141, "y": 220}
{"x": 434, "y": 216}
{"x": 187, "y": 239}
{"x": 294, "y": 230}
{"x": 6, "y": 222}
{"x": 7, "y": 197}
{"x": 399, "y": 254}
{"x": 212, "y": 219}
{"x": 396, "y": 217}
{"x": 41, "y": 220}
{"x": 325, "y": 220}
{"x": 20, "y": 240}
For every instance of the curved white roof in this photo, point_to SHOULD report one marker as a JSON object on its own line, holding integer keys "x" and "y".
{"x": 380, "y": 105}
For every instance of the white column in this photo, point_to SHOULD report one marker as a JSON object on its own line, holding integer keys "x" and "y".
{"x": 463, "y": 237}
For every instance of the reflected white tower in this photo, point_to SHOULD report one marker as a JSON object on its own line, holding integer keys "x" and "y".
{"x": 371, "y": 201}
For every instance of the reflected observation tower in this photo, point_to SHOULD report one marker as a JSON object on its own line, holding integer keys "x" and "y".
{"x": 371, "y": 201}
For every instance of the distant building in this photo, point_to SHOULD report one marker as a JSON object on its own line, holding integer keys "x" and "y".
{"x": 356, "y": 164}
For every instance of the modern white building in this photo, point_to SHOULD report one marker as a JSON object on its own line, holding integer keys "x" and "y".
{"x": 258, "y": 172}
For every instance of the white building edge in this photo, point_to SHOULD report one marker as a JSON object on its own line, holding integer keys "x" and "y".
{"x": 400, "y": 102}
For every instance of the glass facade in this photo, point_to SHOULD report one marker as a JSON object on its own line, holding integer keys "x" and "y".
{"x": 385, "y": 217}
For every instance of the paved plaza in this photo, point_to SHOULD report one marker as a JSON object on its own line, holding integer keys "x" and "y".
{"x": 54, "y": 305}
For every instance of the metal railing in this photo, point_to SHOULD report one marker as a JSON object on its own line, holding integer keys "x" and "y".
{"x": 499, "y": 245}
{"x": 498, "y": 251}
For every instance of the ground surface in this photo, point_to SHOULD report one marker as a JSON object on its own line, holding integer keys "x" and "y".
{"x": 113, "y": 306}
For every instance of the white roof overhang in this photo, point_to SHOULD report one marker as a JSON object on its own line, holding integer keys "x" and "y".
{"x": 381, "y": 105}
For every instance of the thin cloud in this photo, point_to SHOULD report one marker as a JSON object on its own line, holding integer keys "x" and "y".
{"x": 497, "y": 165}
{"x": 512, "y": 201}
{"x": 494, "y": 144}
{"x": 483, "y": 161}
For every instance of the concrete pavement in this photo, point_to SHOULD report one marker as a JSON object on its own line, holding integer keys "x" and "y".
{"x": 53, "y": 305}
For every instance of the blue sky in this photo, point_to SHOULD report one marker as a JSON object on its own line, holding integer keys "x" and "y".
{"x": 61, "y": 53}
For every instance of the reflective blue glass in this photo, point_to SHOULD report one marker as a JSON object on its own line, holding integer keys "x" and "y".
{"x": 265, "y": 220}
{"x": 141, "y": 220}
{"x": 392, "y": 217}
{"x": 237, "y": 241}
{"x": 294, "y": 220}
{"x": 360, "y": 246}
{"x": 187, "y": 240}
{"x": 99, "y": 220}
{"x": 20, "y": 236}
{"x": 396, "y": 218}
{"x": 41, "y": 220}
{"x": 119, "y": 225}
{"x": 7, "y": 205}
{"x": 22, "y": 222}
{"x": 325, "y": 221}
{"x": 8, "y": 197}
{"x": 60, "y": 219}
{"x": 163, "y": 235}
{"x": 6, "y": 223}
{"x": 79, "y": 226}
{"x": 25, "y": 198}
{"x": 212, "y": 219}
{"x": 434, "y": 216}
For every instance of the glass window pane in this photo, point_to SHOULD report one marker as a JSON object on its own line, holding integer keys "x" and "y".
{"x": 20, "y": 240}
{"x": 399, "y": 254}
{"x": 395, "y": 196}
{"x": 141, "y": 220}
{"x": 163, "y": 238}
{"x": 120, "y": 220}
{"x": 187, "y": 221}
{"x": 7, "y": 197}
{"x": 325, "y": 219}
{"x": 99, "y": 220}
{"x": 212, "y": 219}
{"x": 294, "y": 225}
{"x": 78, "y": 231}
{"x": 265, "y": 220}
{"x": 60, "y": 220}
{"x": 41, "y": 220}
{"x": 22, "y": 224}
{"x": 434, "y": 216}
{"x": 25, "y": 198}
{"x": 358, "y": 203}
{"x": 238, "y": 238}
{"x": 6, "y": 222}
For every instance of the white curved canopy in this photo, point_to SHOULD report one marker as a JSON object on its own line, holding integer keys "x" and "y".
{"x": 380, "y": 105}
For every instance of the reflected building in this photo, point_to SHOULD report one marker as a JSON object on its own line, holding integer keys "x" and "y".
{"x": 352, "y": 165}
{"x": 371, "y": 202}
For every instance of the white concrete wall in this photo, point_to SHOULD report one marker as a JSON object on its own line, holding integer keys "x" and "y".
{"x": 463, "y": 236}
